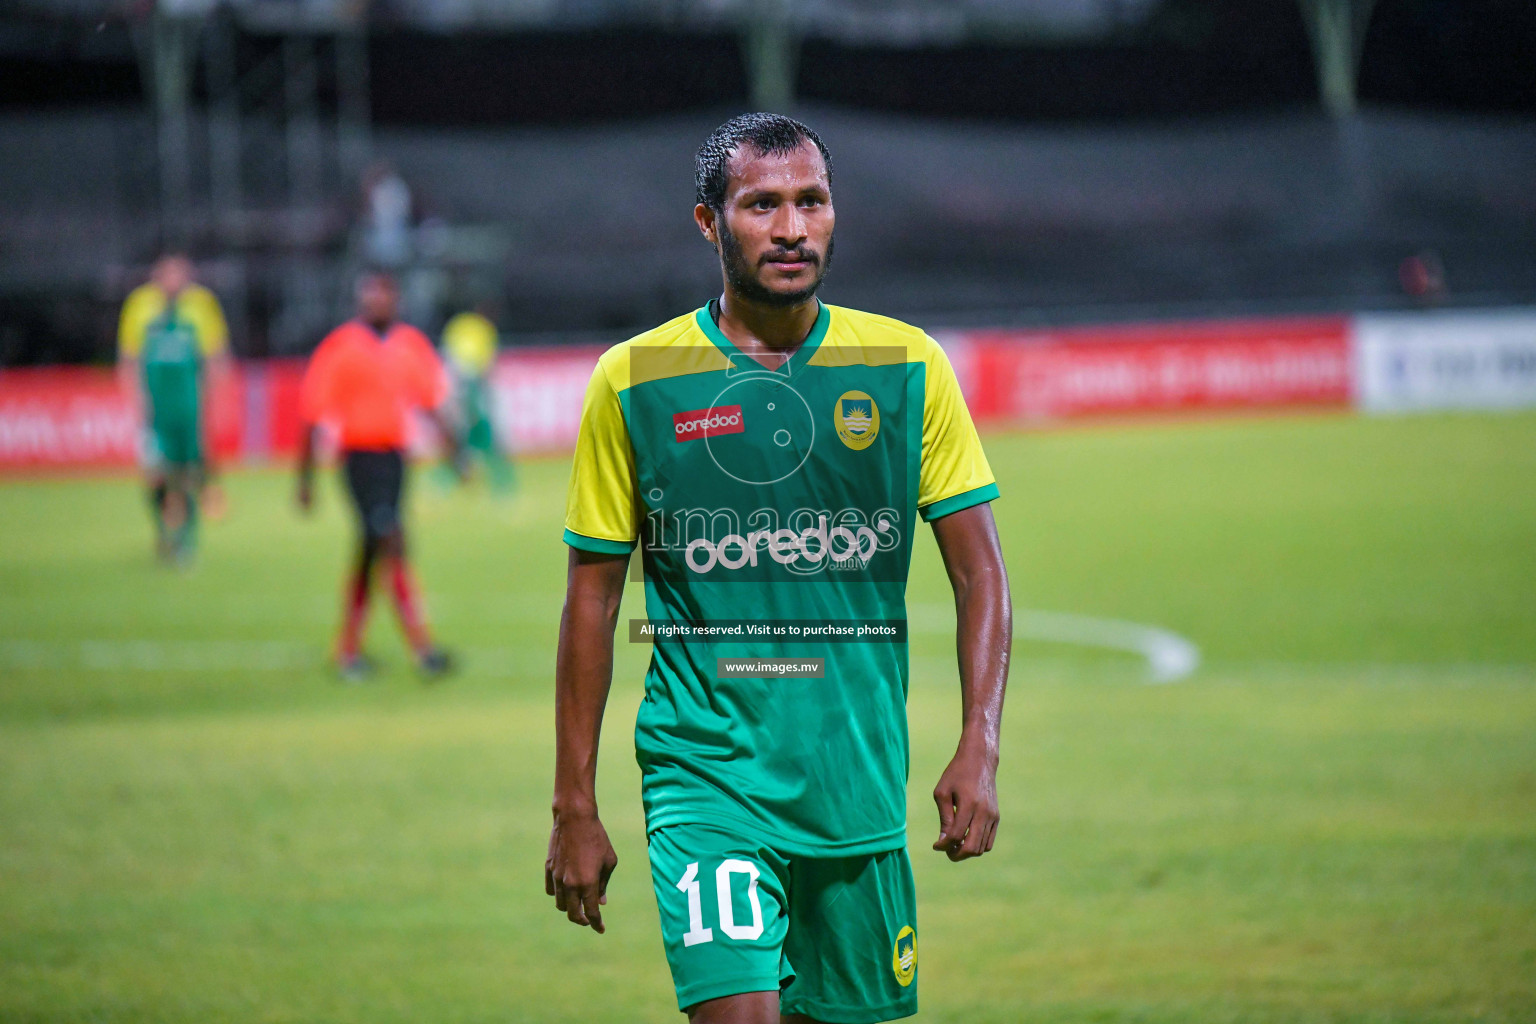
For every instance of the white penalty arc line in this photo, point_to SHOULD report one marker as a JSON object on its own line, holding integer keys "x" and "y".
{"x": 1169, "y": 656}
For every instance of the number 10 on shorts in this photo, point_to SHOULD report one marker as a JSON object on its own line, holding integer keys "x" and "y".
{"x": 689, "y": 884}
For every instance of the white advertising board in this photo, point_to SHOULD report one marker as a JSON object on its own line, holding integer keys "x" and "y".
{"x": 1483, "y": 359}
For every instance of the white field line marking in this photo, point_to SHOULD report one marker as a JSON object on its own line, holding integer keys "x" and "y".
{"x": 1170, "y": 657}
{"x": 198, "y": 656}
{"x": 1176, "y": 656}
{"x": 154, "y": 655}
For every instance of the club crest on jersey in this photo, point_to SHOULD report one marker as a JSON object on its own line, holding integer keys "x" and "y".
{"x": 721, "y": 419}
{"x": 904, "y": 957}
{"x": 857, "y": 419}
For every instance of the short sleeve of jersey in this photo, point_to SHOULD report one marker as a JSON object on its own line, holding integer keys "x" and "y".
{"x": 200, "y": 306}
{"x": 601, "y": 511}
{"x": 315, "y": 389}
{"x": 469, "y": 340}
{"x": 142, "y": 306}
{"x": 955, "y": 474}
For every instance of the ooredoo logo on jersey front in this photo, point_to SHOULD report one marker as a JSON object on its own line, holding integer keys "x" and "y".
{"x": 720, "y": 419}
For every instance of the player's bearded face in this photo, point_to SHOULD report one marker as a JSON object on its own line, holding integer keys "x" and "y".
{"x": 747, "y": 277}
{"x": 775, "y": 231}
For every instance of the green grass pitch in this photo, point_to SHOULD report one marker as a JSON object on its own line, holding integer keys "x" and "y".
{"x": 1334, "y": 819}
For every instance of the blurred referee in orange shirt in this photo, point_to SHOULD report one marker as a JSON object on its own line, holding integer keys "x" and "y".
{"x": 365, "y": 379}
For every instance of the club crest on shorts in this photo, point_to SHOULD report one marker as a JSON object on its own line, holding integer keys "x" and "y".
{"x": 904, "y": 956}
{"x": 857, "y": 419}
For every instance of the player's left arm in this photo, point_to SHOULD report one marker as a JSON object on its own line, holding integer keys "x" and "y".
{"x": 216, "y": 371}
{"x": 450, "y": 434}
{"x": 315, "y": 399}
{"x": 433, "y": 392}
{"x": 967, "y": 791}
{"x": 130, "y": 344}
{"x": 213, "y": 341}
{"x": 954, "y": 491}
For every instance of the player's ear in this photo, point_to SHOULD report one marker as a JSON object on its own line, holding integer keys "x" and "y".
{"x": 704, "y": 217}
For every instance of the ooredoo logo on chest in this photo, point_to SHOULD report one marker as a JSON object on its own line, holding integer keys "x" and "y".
{"x": 721, "y": 419}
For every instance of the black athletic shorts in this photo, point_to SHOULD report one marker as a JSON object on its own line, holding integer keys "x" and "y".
{"x": 376, "y": 480}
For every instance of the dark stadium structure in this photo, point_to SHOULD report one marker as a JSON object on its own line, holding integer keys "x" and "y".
{"x": 1007, "y": 162}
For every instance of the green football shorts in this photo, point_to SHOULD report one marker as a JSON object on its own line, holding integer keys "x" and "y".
{"x": 835, "y": 935}
{"x": 169, "y": 446}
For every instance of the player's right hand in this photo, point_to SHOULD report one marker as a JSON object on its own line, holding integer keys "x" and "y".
{"x": 578, "y": 866}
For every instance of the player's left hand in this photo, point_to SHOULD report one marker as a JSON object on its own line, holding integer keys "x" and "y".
{"x": 577, "y": 868}
{"x": 967, "y": 799}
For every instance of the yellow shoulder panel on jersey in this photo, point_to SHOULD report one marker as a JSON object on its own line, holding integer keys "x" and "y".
{"x": 674, "y": 349}
{"x": 954, "y": 471}
{"x": 858, "y": 338}
{"x": 141, "y": 307}
{"x": 201, "y": 308}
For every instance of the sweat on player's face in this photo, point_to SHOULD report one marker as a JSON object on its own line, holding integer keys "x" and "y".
{"x": 774, "y": 229}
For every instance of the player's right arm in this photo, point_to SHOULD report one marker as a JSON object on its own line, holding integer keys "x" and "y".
{"x": 601, "y": 529}
{"x": 314, "y": 403}
{"x": 138, "y": 310}
{"x": 581, "y": 858}
{"x": 432, "y": 390}
{"x": 202, "y": 308}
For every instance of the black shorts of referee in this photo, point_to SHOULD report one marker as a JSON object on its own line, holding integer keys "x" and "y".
{"x": 376, "y": 480}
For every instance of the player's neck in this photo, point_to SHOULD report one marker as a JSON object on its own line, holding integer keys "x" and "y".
{"x": 380, "y": 328}
{"x": 755, "y": 327}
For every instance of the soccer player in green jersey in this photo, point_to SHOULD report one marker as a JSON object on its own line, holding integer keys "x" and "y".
{"x": 770, "y": 455}
{"x": 469, "y": 349}
{"x": 172, "y": 339}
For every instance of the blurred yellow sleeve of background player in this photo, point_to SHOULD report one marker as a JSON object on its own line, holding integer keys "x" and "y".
{"x": 196, "y": 304}
{"x": 469, "y": 342}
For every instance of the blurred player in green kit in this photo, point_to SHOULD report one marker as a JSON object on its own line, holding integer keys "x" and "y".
{"x": 172, "y": 341}
{"x": 469, "y": 349}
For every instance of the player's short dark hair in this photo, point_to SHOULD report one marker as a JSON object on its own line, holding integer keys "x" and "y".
{"x": 765, "y": 134}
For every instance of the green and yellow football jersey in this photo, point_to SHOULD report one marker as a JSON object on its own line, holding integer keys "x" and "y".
{"x": 172, "y": 364}
{"x": 777, "y": 507}
{"x": 193, "y": 305}
{"x": 172, "y": 338}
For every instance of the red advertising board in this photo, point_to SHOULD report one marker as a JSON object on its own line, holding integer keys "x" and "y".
{"x": 80, "y": 417}
{"x": 1033, "y": 376}
{"x": 539, "y": 392}
{"x": 65, "y": 417}
{"x": 61, "y": 417}
{"x": 272, "y": 390}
